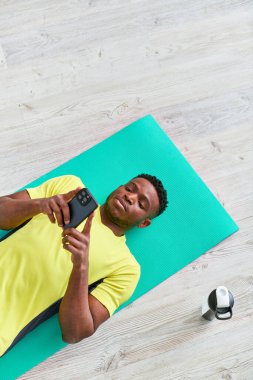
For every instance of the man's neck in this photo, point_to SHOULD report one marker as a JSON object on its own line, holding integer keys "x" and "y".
{"x": 118, "y": 231}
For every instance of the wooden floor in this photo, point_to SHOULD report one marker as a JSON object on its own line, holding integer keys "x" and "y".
{"x": 73, "y": 73}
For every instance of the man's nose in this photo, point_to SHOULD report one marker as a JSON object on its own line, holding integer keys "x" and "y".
{"x": 130, "y": 198}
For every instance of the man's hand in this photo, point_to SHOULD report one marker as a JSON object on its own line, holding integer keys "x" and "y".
{"x": 58, "y": 205}
{"x": 78, "y": 244}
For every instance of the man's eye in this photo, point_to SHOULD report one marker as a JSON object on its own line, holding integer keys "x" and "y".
{"x": 127, "y": 188}
{"x": 141, "y": 205}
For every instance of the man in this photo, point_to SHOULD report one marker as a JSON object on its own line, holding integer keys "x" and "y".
{"x": 41, "y": 262}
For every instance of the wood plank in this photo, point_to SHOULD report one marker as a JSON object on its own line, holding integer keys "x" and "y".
{"x": 74, "y": 73}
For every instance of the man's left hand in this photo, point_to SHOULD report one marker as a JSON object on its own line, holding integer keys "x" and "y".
{"x": 78, "y": 243}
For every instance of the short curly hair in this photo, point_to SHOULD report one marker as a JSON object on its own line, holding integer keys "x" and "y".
{"x": 161, "y": 192}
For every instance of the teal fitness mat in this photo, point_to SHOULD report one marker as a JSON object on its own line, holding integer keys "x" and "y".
{"x": 193, "y": 222}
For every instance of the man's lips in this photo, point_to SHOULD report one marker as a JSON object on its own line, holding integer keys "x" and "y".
{"x": 121, "y": 202}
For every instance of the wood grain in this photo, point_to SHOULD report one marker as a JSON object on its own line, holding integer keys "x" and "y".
{"x": 72, "y": 73}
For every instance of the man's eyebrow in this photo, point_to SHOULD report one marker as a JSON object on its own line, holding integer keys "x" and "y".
{"x": 144, "y": 196}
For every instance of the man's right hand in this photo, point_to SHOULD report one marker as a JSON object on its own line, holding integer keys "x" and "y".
{"x": 57, "y": 206}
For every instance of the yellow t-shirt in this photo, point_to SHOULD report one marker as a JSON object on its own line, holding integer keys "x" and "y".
{"x": 35, "y": 268}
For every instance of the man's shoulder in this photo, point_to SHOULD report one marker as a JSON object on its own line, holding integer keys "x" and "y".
{"x": 136, "y": 266}
{"x": 131, "y": 264}
{"x": 70, "y": 181}
{"x": 68, "y": 178}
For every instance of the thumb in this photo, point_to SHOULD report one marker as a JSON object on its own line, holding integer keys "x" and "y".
{"x": 68, "y": 196}
{"x": 87, "y": 226}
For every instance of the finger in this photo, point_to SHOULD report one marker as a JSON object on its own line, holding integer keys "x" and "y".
{"x": 50, "y": 214}
{"x": 71, "y": 249}
{"x": 87, "y": 226}
{"x": 65, "y": 211}
{"x": 70, "y": 240}
{"x": 75, "y": 257}
{"x": 58, "y": 214}
{"x": 73, "y": 232}
{"x": 68, "y": 196}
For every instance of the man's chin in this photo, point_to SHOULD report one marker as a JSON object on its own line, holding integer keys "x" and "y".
{"x": 111, "y": 209}
{"x": 115, "y": 211}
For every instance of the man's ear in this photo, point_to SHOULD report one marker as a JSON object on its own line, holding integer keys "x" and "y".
{"x": 144, "y": 223}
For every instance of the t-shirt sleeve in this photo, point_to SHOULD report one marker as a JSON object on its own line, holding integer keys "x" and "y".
{"x": 117, "y": 288}
{"x": 53, "y": 186}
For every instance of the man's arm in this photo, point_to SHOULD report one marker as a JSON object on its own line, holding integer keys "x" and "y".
{"x": 80, "y": 313}
{"x": 16, "y": 209}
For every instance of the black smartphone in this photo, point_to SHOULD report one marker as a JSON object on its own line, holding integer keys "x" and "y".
{"x": 80, "y": 207}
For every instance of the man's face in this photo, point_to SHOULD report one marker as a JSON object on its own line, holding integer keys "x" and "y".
{"x": 133, "y": 204}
